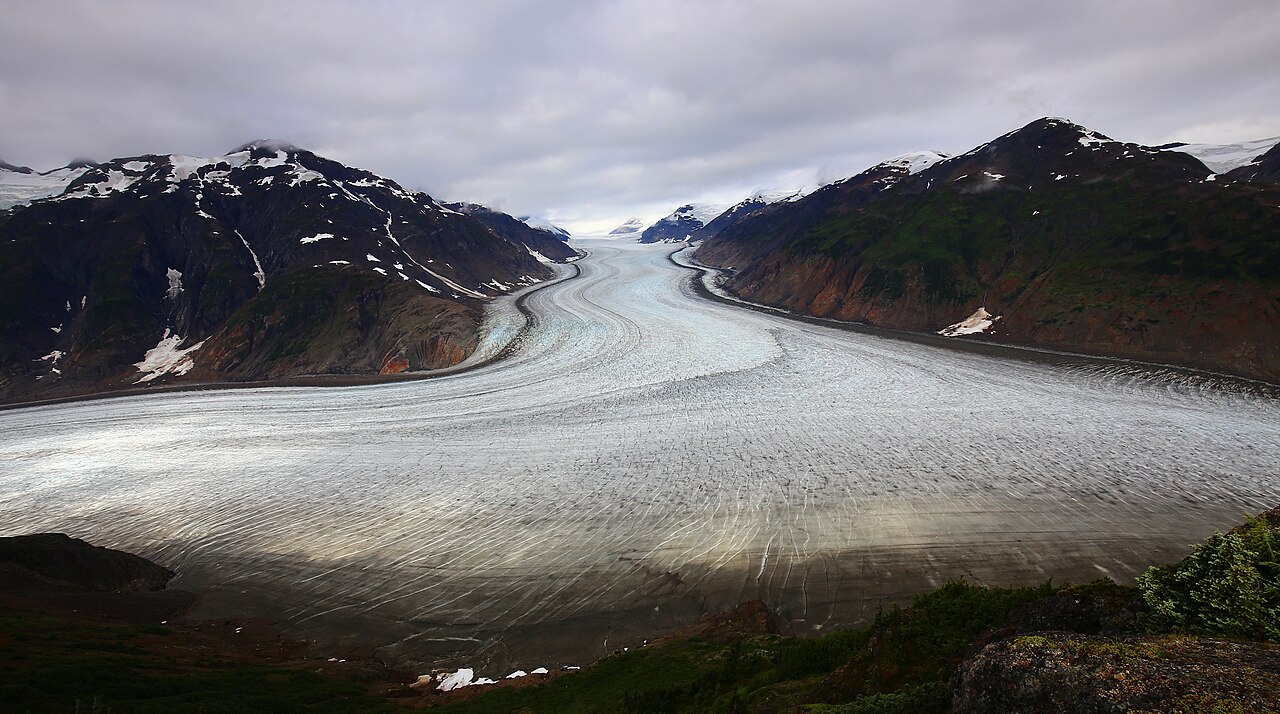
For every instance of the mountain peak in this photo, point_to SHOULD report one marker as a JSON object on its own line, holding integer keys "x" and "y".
{"x": 267, "y": 145}
{"x": 631, "y": 227}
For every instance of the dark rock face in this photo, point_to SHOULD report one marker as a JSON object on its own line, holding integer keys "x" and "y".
{"x": 1055, "y": 672}
{"x": 732, "y": 215}
{"x": 548, "y": 244}
{"x": 55, "y": 561}
{"x": 272, "y": 260}
{"x": 1079, "y": 242}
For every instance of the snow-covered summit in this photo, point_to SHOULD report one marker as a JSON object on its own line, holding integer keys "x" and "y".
{"x": 543, "y": 224}
{"x": 682, "y": 223}
{"x": 631, "y": 227}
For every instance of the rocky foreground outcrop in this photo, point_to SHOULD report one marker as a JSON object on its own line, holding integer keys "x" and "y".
{"x": 1064, "y": 673}
{"x": 56, "y": 561}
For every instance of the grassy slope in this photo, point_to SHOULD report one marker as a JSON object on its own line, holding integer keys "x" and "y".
{"x": 52, "y": 663}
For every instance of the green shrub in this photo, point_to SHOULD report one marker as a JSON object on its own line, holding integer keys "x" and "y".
{"x": 1229, "y": 586}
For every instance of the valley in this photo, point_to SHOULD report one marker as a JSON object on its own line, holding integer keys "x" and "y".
{"x": 640, "y": 457}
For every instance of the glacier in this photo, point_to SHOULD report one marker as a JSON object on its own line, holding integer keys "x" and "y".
{"x": 639, "y": 457}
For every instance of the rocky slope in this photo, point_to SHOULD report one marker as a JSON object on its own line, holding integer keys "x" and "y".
{"x": 546, "y": 242}
{"x": 265, "y": 263}
{"x": 1064, "y": 672}
{"x": 56, "y": 561}
{"x": 1073, "y": 240}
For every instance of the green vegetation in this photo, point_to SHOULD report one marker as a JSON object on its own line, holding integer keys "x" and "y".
{"x": 905, "y": 660}
{"x": 58, "y": 664}
{"x": 901, "y": 663}
{"x": 1228, "y": 586}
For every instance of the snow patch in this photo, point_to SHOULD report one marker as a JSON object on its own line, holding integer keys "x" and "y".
{"x": 167, "y": 357}
{"x": 461, "y": 678}
{"x": 316, "y": 237}
{"x": 916, "y": 161}
{"x": 175, "y": 283}
{"x": 979, "y": 321}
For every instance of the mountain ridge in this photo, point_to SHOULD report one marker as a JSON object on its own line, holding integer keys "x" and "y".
{"x": 261, "y": 264}
{"x": 1074, "y": 240}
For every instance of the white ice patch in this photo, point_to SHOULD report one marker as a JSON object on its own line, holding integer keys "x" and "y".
{"x": 175, "y": 283}
{"x": 278, "y": 159}
{"x": 166, "y": 358}
{"x": 993, "y": 177}
{"x": 1090, "y": 138}
{"x": 339, "y": 262}
{"x": 1221, "y": 158}
{"x": 372, "y": 258}
{"x": 259, "y": 273}
{"x": 303, "y": 175}
{"x": 538, "y": 256}
{"x": 461, "y": 678}
{"x": 916, "y": 161}
{"x": 517, "y": 674}
{"x": 979, "y": 321}
{"x": 379, "y": 270}
{"x": 316, "y": 237}
{"x": 540, "y": 670}
{"x": 428, "y": 287}
{"x": 17, "y": 188}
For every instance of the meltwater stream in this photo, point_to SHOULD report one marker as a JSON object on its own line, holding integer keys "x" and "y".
{"x": 643, "y": 457}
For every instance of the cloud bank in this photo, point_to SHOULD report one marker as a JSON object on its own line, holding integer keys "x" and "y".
{"x": 589, "y": 112}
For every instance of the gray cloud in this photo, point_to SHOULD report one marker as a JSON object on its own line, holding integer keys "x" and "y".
{"x": 590, "y": 112}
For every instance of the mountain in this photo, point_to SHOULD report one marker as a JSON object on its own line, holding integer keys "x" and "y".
{"x": 265, "y": 263}
{"x": 682, "y": 222}
{"x": 744, "y": 208}
{"x": 541, "y": 243}
{"x": 1064, "y": 237}
{"x": 632, "y": 227}
{"x": 1222, "y": 158}
{"x": 543, "y": 224}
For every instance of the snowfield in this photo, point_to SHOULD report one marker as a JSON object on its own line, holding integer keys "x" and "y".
{"x": 642, "y": 456}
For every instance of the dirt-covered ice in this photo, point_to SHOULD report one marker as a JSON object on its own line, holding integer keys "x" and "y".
{"x": 644, "y": 456}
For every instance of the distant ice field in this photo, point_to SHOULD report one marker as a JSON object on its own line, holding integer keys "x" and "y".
{"x": 643, "y": 457}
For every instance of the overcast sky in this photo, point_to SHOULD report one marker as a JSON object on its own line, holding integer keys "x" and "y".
{"x": 589, "y": 113}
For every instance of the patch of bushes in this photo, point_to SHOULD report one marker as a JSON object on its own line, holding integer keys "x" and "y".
{"x": 1228, "y": 586}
